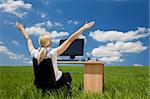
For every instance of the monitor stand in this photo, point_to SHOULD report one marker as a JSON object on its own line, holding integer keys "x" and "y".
{"x": 72, "y": 57}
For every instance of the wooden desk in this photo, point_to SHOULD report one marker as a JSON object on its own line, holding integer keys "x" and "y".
{"x": 93, "y": 74}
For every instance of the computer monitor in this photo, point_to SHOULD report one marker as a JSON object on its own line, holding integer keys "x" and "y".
{"x": 75, "y": 49}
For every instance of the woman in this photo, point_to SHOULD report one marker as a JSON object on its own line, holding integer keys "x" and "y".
{"x": 45, "y": 52}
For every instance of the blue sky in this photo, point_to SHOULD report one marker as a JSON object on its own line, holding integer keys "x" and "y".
{"x": 119, "y": 37}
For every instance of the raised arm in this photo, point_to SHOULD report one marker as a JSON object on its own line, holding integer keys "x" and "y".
{"x": 75, "y": 35}
{"x": 29, "y": 41}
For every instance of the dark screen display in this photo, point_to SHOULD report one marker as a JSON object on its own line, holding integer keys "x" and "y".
{"x": 76, "y": 48}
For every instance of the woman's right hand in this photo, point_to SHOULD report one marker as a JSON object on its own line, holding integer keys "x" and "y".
{"x": 19, "y": 26}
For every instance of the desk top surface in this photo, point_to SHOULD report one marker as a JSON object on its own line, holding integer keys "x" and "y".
{"x": 79, "y": 62}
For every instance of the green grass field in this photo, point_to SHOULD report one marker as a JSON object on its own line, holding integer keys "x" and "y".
{"x": 121, "y": 82}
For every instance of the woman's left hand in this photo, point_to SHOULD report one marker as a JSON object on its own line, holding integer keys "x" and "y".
{"x": 88, "y": 25}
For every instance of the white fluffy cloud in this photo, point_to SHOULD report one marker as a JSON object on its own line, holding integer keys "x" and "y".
{"x": 55, "y": 34}
{"x": 14, "y": 7}
{"x": 111, "y": 59}
{"x": 104, "y": 36}
{"x": 34, "y": 30}
{"x": 8, "y": 22}
{"x": 42, "y": 14}
{"x": 37, "y": 30}
{"x": 112, "y": 52}
{"x": 73, "y": 22}
{"x": 137, "y": 65}
{"x": 12, "y": 55}
{"x": 102, "y": 52}
{"x": 49, "y": 24}
{"x": 118, "y": 43}
{"x": 3, "y": 49}
{"x": 125, "y": 47}
{"x": 15, "y": 42}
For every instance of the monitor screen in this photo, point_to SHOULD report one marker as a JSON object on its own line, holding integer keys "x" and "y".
{"x": 75, "y": 49}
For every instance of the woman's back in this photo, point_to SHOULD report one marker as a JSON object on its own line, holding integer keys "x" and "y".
{"x": 51, "y": 57}
{"x": 44, "y": 74}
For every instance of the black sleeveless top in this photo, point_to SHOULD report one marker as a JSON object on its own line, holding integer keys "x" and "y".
{"x": 44, "y": 74}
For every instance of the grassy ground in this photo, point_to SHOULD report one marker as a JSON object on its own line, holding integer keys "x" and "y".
{"x": 121, "y": 82}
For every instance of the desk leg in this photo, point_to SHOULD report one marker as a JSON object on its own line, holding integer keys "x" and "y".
{"x": 93, "y": 77}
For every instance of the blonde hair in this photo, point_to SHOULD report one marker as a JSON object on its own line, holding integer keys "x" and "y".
{"x": 44, "y": 41}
